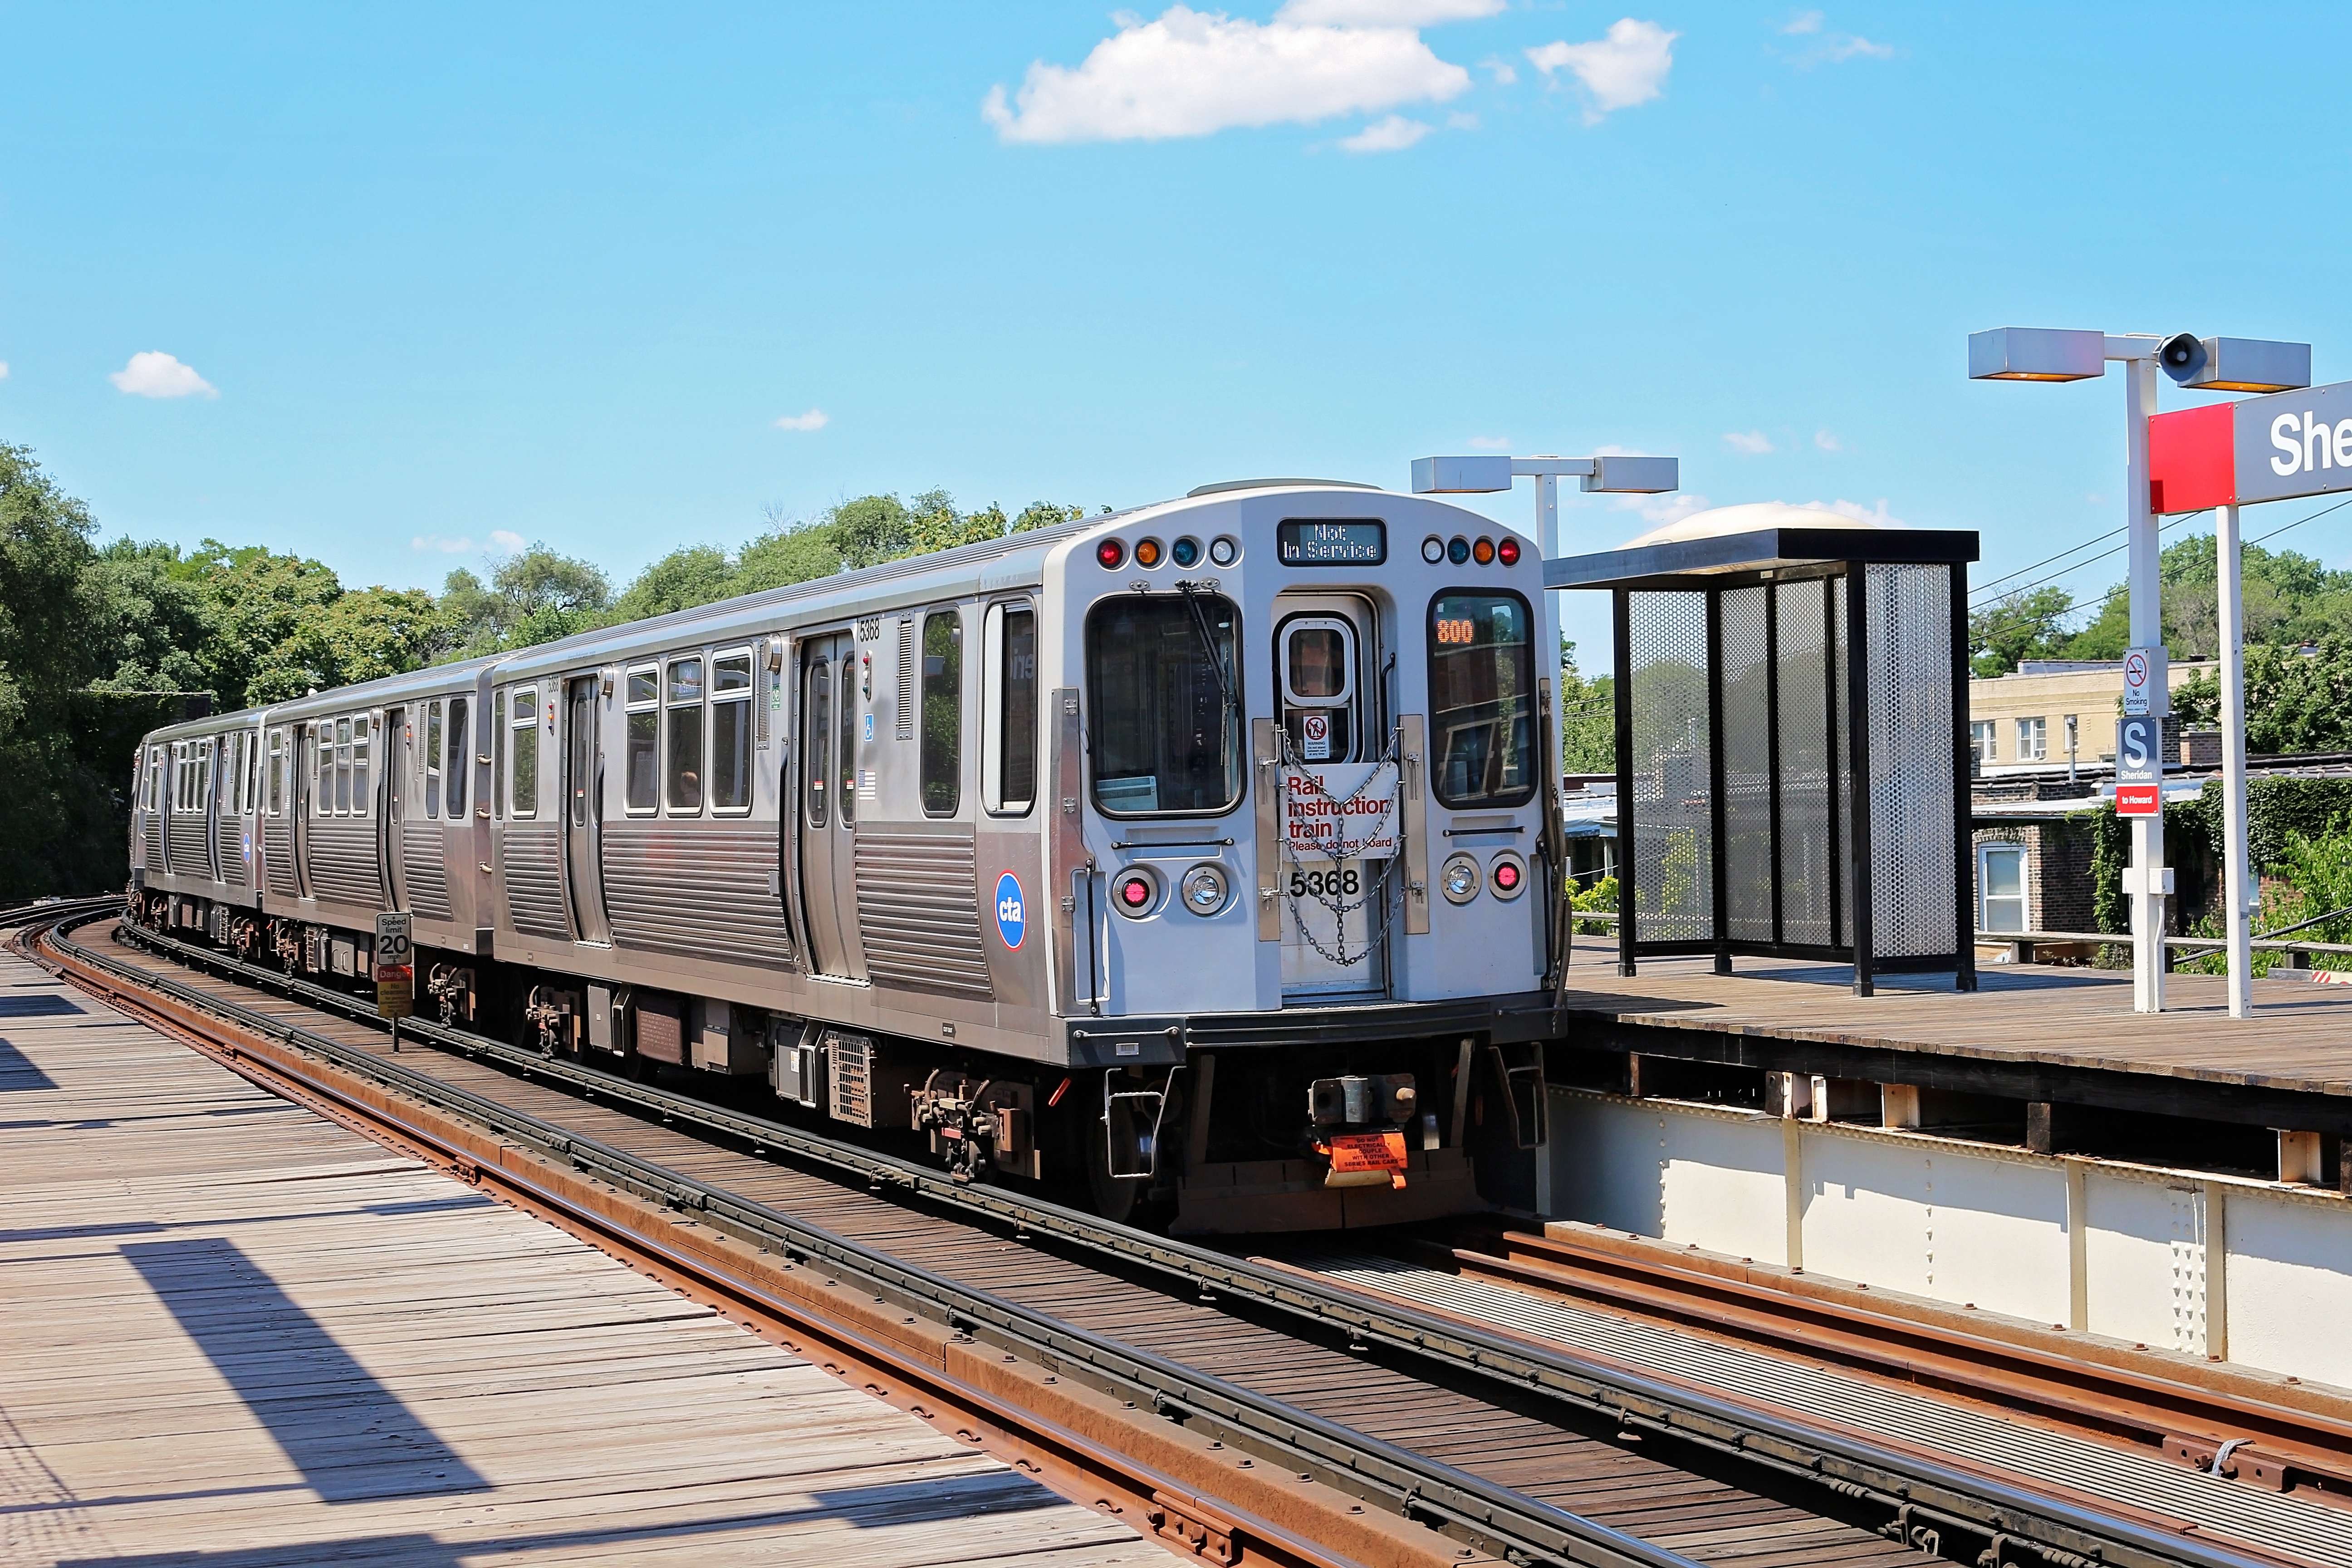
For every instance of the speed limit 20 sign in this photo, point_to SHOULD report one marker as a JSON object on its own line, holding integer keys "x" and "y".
{"x": 395, "y": 971}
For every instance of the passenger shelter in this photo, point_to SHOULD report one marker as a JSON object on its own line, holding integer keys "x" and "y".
{"x": 1793, "y": 739}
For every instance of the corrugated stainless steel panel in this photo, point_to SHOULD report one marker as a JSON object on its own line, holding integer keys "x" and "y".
{"x": 344, "y": 866}
{"x": 277, "y": 851}
{"x": 190, "y": 847}
{"x": 427, "y": 878}
{"x": 228, "y": 839}
{"x": 533, "y": 863}
{"x": 919, "y": 911}
{"x": 699, "y": 890}
{"x": 155, "y": 841}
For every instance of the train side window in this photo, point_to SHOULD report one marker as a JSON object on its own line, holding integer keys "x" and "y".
{"x": 1008, "y": 717}
{"x": 524, "y": 728}
{"x": 685, "y": 719}
{"x": 360, "y": 739}
{"x": 1482, "y": 693}
{"x": 731, "y": 731}
{"x": 819, "y": 760}
{"x": 277, "y": 773}
{"x": 941, "y": 762}
{"x": 460, "y": 766}
{"x": 323, "y": 739}
{"x": 432, "y": 758}
{"x": 341, "y": 805}
{"x": 641, "y": 767}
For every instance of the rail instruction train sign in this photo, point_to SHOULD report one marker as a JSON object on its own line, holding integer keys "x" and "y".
{"x": 1344, "y": 812}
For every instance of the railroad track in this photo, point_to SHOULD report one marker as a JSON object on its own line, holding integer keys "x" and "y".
{"x": 1128, "y": 1368}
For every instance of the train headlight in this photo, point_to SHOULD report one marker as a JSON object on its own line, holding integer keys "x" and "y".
{"x": 1460, "y": 878}
{"x": 1134, "y": 892}
{"x": 1206, "y": 889}
{"x": 1507, "y": 875}
{"x": 1433, "y": 550}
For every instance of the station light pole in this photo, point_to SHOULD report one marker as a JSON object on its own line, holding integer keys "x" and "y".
{"x": 1611, "y": 474}
{"x": 2209, "y": 365}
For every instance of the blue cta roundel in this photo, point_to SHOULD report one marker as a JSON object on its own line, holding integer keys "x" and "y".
{"x": 1011, "y": 910}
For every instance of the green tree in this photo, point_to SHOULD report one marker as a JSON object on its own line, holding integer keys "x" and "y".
{"x": 1588, "y": 718}
{"x": 2029, "y": 624}
{"x": 57, "y": 805}
{"x": 537, "y": 596}
{"x": 2298, "y": 701}
{"x": 696, "y": 574}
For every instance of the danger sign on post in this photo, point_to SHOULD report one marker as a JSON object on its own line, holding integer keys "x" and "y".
{"x": 1344, "y": 812}
{"x": 395, "y": 975}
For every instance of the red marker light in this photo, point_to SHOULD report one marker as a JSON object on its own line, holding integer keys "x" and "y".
{"x": 1111, "y": 553}
{"x": 1482, "y": 553}
{"x": 1507, "y": 553}
{"x": 1507, "y": 876}
{"x": 1134, "y": 892}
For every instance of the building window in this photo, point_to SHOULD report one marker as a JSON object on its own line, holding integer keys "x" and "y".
{"x": 1981, "y": 742}
{"x": 2032, "y": 739}
{"x": 2000, "y": 887}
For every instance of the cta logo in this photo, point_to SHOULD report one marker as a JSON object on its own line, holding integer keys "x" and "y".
{"x": 1011, "y": 910}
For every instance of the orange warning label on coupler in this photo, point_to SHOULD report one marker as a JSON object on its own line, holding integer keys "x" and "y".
{"x": 1368, "y": 1151}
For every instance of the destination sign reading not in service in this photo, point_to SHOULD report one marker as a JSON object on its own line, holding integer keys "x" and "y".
{"x": 1331, "y": 542}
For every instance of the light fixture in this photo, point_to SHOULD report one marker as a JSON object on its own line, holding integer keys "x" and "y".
{"x": 1482, "y": 553}
{"x": 1147, "y": 553}
{"x": 1224, "y": 552}
{"x": 1135, "y": 892}
{"x": 2036, "y": 354}
{"x": 1459, "y": 880}
{"x": 2235, "y": 364}
{"x": 1458, "y": 551}
{"x": 1507, "y": 551}
{"x": 1433, "y": 550}
{"x": 1507, "y": 875}
{"x": 1205, "y": 889}
{"x": 1185, "y": 552}
{"x": 1111, "y": 553}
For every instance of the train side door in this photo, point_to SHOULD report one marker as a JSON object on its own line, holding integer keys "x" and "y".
{"x": 1329, "y": 689}
{"x": 399, "y": 753}
{"x": 211, "y": 803}
{"x": 830, "y": 708}
{"x": 300, "y": 786}
{"x": 584, "y": 812}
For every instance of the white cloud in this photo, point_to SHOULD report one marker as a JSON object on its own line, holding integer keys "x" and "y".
{"x": 1804, "y": 22}
{"x": 511, "y": 543}
{"x": 1849, "y": 45}
{"x": 1393, "y": 134}
{"x": 446, "y": 546}
{"x": 1191, "y": 73}
{"x": 1834, "y": 48}
{"x": 1626, "y": 68}
{"x": 1491, "y": 443}
{"x": 1659, "y": 511}
{"x": 1505, "y": 75}
{"x": 1861, "y": 513}
{"x": 815, "y": 419}
{"x": 1749, "y": 443}
{"x": 4, "y": 370}
{"x": 152, "y": 375}
{"x": 1827, "y": 441}
{"x": 1384, "y": 13}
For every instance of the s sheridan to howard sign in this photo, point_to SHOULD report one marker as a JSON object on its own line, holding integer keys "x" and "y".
{"x": 2274, "y": 447}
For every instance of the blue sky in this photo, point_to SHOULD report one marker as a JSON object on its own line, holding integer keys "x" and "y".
{"x": 432, "y": 280}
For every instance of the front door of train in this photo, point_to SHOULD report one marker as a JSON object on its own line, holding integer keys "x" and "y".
{"x": 834, "y": 704}
{"x": 584, "y": 812}
{"x": 1330, "y": 685}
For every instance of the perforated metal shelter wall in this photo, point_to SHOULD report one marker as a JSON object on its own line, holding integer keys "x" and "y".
{"x": 1671, "y": 805}
{"x": 1747, "y": 703}
{"x": 1907, "y": 622}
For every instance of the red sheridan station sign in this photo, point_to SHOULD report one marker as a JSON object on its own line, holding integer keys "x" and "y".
{"x": 2276, "y": 448}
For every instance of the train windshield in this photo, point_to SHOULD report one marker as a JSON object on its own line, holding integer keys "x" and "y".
{"x": 1482, "y": 695}
{"x": 1164, "y": 701}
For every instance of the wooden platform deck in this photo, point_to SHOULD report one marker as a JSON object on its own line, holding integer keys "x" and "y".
{"x": 2023, "y": 1026}
{"x": 234, "y": 1334}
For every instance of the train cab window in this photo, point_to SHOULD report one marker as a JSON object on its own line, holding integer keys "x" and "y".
{"x": 683, "y": 713}
{"x": 432, "y": 758}
{"x": 731, "y": 731}
{"x": 1008, "y": 722}
{"x": 523, "y": 727}
{"x": 460, "y": 766}
{"x": 1481, "y": 694}
{"x": 941, "y": 764}
{"x": 277, "y": 773}
{"x": 1317, "y": 661}
{"x": 1164, "y": 705}
{"x": 640, "y": 767}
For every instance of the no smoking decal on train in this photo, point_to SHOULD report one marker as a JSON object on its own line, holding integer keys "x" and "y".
{"x": 1012, "y": 910}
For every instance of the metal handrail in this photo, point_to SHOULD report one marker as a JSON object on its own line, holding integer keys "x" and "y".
{"x": 2186, "y": 944}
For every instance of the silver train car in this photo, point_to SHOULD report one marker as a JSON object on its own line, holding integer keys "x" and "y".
{"x": 1199, "y": 856}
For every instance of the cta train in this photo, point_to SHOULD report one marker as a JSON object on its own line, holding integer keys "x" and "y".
{"x": 1199, "y": 856}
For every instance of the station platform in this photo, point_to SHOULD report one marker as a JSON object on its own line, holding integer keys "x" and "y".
{"x": 2030, "y": 1033}
{"x": 237, "y": 1335}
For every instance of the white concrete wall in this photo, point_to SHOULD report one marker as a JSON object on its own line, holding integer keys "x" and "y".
{"x": 2255, "y": 1272}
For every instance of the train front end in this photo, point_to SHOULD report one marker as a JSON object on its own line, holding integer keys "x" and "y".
{"x": 1303, "y": 854}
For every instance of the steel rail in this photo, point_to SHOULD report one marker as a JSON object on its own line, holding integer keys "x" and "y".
{"x": 1462, "y": 1505}
{"x": 1909, "y": 1487}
